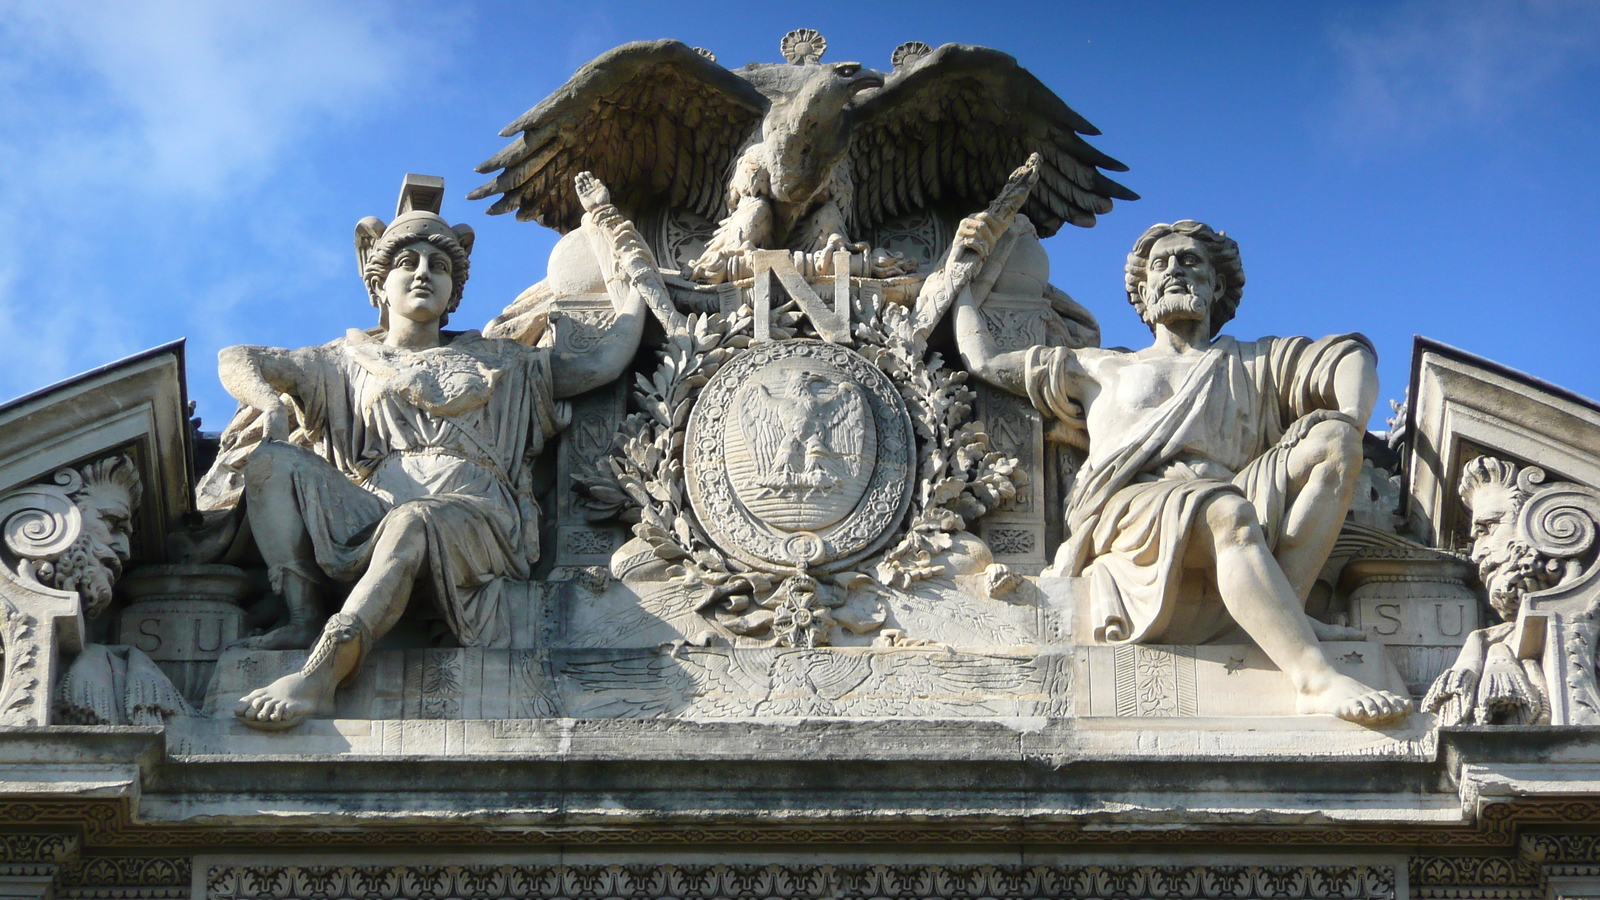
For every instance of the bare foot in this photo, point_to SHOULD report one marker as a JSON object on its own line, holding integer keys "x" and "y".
{"x": 1349, "y": 699}
{"x": 294, "y": 636}
{"x": 1327, "y": 632}
{"x": 287, "y": 702}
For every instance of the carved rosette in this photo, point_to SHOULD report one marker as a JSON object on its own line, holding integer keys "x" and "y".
{"x": 800, "y": 455}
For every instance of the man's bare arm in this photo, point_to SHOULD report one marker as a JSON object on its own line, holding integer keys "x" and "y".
{"x": 980, "y": 353}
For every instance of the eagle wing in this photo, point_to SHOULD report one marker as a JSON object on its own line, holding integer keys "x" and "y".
{"x": 654, "y": 120}
{"x": 844, "y": 427}
{"x": 945, "y": 680}
{"x": 761, "y": 420}
{"x": 950, "y": 127}
{"x": 657, "y": 683}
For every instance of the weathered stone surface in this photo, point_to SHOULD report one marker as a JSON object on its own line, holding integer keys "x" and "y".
{"x": 720, "y": 563}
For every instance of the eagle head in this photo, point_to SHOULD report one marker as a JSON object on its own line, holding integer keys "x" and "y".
{"x": 832, "y": 86}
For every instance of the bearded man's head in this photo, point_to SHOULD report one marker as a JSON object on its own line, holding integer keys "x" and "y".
{"x": 1165, "y": 279}
{"x": 106, "y": 497}
{"x": 1508, "y": 566}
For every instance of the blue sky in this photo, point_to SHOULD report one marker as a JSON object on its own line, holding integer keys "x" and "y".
{"x": 194, "y": 170}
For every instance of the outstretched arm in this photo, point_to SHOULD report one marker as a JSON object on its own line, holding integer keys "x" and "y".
{"x": 631, "y": 274}
{"x": 982, "y": 355}
{"x": 257, "y": 376}
{"x": 974, "y": 242}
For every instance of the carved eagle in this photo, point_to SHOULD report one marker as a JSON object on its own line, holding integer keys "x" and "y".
{"x": 749, "y": 681}
{"x": 786, "y": 154}
{"x": 807, "y": 434}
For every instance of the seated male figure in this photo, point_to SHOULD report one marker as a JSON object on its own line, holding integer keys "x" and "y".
{"x": 1219, "y": 471}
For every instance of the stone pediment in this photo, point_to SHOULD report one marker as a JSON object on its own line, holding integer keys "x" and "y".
{"x": 795, "y": 537}
{"x": 1463, "y": 406}
{"x": 139, "y": 404}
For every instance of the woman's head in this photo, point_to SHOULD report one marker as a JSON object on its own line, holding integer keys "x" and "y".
{"x": 408, "y": 262}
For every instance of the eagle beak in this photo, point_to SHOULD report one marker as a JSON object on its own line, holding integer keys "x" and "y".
{"x": 864, "y": 85}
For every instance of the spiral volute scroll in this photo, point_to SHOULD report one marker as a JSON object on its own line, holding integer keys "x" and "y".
{"x": 1560, "y": 521}
{"x": 40, "y": 521}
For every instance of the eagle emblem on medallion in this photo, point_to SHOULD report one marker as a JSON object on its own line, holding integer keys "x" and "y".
{"x": 812, "y": 444}
{"x": 799, "y": 453}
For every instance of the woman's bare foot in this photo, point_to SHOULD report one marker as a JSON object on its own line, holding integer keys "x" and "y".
{"x": 288, "y": 701}
{"x": 1347, "y": 698}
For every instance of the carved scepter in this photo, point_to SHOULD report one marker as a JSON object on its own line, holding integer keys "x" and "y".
{"x": 970, "y": 252}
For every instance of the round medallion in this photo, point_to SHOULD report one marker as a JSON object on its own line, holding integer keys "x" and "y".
{"x": 800, "y": 454}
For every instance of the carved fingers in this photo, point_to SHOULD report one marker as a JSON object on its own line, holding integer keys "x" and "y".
{"x": 1302, "y": 426}
{"x": 591, "y": 192}
{"x": 978, "y": 233}
{"x": 1451, "y": 695}
{"x": 275, "y": 423}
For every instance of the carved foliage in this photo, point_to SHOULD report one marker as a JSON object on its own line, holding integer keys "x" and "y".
{"x": 645, "y": 881}
{"x": 1475, "y": 877}
{"x": 641, "y": 480}
{"x": 37, "y": 847}
{"x": 22, "y": 696}
{"x": 126, "y": 872}
{"x": 961, "y": 477}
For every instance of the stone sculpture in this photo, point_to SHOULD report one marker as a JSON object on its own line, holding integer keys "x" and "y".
{"x": 803, "y": 507}
{"x": 74, "y": 533}
{"x": 1218, "y": 471}
{"x": 771, "y": 616}
{"x": 1492, "y": 681}
{"x": 411, "y": 457}
{"x": 806, "y": 144}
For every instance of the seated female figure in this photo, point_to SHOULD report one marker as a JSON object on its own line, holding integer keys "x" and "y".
{"x": 423, "y": 443}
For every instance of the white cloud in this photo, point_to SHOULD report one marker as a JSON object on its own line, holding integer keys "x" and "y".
{"x": 193, "y": 96}
{"x": 1428, "y": 66}
{"x": 167, "y": 118}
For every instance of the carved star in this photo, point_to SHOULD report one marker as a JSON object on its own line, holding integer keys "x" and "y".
{"x": 1353, "y": 658}
{"x": 1233, "y": 665}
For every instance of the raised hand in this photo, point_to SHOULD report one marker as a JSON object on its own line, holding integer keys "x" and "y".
{"x": 591, "y": 192}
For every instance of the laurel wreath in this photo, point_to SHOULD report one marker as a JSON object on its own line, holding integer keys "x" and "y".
{"x": 641, "y": 479}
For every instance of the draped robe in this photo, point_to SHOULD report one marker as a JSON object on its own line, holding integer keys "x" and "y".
{"x": 446, "y": 434}
{"x": 1135, "y": 499}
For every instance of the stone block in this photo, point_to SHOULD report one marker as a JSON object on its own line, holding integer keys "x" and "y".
{"x": 182, "y": 616}
{"x": 1175, "y": 681}
{"x": 1418, "y": 605}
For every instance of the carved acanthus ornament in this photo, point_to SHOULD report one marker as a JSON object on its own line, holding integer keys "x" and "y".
{"x": 66, "y": 540}
{"x": 1535, "y": 547}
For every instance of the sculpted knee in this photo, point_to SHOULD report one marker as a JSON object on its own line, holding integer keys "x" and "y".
{"x": 407, "y": 524}
{"x": 1232, "y": 520}
{"x": 1336, "y": 446}
{"x": 267, "y": 464}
